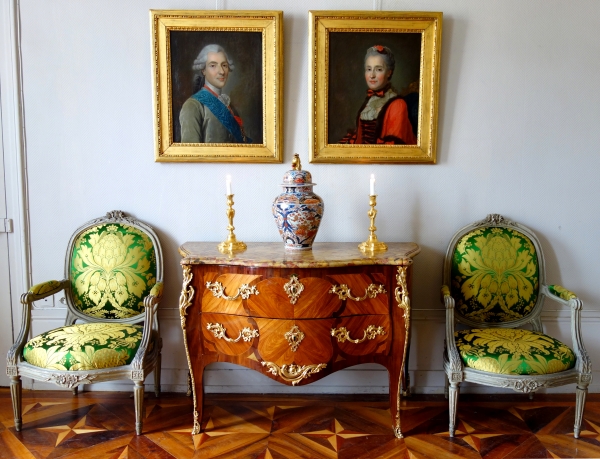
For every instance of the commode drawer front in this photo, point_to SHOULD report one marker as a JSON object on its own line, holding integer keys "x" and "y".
{"x": 293, "y": 297}
{"x": 225, "y": 293}
{"x": 228, "y": 334}
{"x": 300, "y": 342}
{"x": 362, "y": 335}
{"x": 363, "y": 293}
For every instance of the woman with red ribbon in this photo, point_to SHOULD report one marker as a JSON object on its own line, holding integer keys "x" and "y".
{"x": 383, "y": 116}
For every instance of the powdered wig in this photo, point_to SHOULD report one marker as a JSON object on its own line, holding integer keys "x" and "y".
{"x": 385, "y": 53}
{"x": 200, "y": 61}
{"x": 200, "y": 64}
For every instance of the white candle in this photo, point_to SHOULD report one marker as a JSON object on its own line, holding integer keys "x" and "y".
{"x": 228, "y": 183}
{"x": 372, "y": 183}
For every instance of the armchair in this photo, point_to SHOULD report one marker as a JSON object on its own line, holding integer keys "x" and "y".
{"x": 112, "y": 287}
{"x": 494, "y": 283}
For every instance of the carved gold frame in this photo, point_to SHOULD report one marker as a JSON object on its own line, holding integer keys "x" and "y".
{"x": 269, "y": 23}
{"x": 322, "y": 24}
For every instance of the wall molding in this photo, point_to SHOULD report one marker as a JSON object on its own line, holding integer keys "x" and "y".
{"x": 362, "y": 379}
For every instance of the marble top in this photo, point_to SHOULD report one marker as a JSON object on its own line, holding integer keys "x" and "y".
{"x": 322, "y": 255}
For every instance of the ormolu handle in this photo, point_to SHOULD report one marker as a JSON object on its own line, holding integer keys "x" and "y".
{"x": 343, "y": 292}
{"x": 342, "y": 334}
{"x": 218, "y": 290}
{"x": 219, "y": 331}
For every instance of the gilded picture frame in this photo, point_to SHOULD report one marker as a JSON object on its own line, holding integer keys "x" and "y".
{"x": 397, "y": 121}
{"x": 239, "y": 117}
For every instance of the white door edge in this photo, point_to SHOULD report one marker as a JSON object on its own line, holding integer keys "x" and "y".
{"x": 15, "y": 164}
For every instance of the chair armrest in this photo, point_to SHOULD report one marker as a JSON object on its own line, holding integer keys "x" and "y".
{"x": 568, "y": 298}
{"x": 559, "y": 294}
{"x": 454, "y": 359}
{"x": 150, "y": 324}
{"x": 35, "y": 293}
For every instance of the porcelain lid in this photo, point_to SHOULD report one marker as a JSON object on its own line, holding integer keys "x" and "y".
{"x": 296, "y": 176}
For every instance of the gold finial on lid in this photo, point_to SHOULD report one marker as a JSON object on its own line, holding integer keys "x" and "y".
{"x": 296, "y": 162}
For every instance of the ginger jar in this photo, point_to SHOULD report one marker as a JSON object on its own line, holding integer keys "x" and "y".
{"x": 298, "y": 211}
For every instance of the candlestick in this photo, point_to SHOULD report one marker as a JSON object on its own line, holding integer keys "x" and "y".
{"x": 228, "y": 184}
{"x": 372, "y": 244}
{"x": 231, "y": 244}
{"x": 372, "y": 185}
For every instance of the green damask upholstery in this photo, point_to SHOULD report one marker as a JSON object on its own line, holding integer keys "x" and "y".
{"x": 113, "y": 267}
{"x": 513, "y": 351}
{"x": 494, "y": 275}
{"x": 84, "y": 346}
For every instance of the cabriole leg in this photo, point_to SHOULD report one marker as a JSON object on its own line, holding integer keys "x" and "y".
{"x": 15, "y": 395}
{"x": 452, "y": 401}
{"x": 138, "y": 396}
{"x": 581, "y": 393}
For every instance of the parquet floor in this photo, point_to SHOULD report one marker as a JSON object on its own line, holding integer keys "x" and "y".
{"x": 101, "y": 425}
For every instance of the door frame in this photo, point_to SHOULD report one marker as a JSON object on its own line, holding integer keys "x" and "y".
{"x": 15, "y": 160}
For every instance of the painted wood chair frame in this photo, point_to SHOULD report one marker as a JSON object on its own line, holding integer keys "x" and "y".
{"x": 146, "y": 359}
{"x": 457, "y": 372}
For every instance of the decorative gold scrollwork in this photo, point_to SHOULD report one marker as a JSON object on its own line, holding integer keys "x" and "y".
{"x": 247, "y": 333}
{"x": 293, "y": 288}
{"x": 401, "y": 294}
{"x": 342, "y": 334}
{"x": 294, "y": 337}
{"x": 218, "y": 290}
{"x": 343, "y": 292}
{"x": 187, "y": 294}
{"x": 403, "y": 299}
{"x": 293, "y": 373}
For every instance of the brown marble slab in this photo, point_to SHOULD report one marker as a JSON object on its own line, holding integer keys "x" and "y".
{"x": 322, "y": 255}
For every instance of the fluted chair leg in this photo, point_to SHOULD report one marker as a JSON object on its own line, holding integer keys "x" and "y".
{"x": 580, "y": 395}
{"x": 157, "y": 375}
{"x": 138, "y": 396}
{"x": 15, "y": 395}
{"x": 452, "y": 401}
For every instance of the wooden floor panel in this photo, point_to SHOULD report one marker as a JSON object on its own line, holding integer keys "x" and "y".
{"x": 101, "y": 425}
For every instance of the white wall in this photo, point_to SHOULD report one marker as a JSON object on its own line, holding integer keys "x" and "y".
{"x": 518, "y": 135}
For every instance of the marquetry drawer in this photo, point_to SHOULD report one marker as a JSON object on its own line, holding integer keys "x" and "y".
{"x": 302, "y": 342}
{"x": 362, "y": 293}
{"x": 363, "y": 335}
{"x": 295, "y": 297}
{"x": 228, "y": 334}
{"x": 225, "y": 293}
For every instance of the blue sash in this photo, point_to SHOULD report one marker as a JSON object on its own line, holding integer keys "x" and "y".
{"x": 222, "y": 113}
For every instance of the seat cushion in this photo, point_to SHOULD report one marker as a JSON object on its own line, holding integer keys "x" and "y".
{"x": 495, "y": 275}
{"x": 84, "y": 346}
{"x": 113, "y": 267}
{"x": 513, "y": 351}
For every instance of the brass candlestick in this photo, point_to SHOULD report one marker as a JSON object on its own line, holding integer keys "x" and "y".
{"x": 372, "y": 244}
{"x": 231, "y": 244}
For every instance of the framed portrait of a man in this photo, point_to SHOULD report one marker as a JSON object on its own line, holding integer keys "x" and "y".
{"x": 217, "y": 85}
{"x": 374, "y": 85}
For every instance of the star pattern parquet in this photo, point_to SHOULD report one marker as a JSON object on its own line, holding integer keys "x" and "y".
{"x": 101, "y": 425}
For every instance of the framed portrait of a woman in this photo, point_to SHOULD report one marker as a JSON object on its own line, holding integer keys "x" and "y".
{"x": 374, "y": 85}
{"x": 217, "y": 91}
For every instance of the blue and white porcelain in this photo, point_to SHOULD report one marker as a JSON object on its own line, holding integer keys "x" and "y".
{"x": 298, "y": 211}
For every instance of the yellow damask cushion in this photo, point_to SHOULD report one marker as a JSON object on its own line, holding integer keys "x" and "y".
{"x": 84, "y": 346}
{"x": 513, "y": 351}
{"x": 494, "y": 275}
